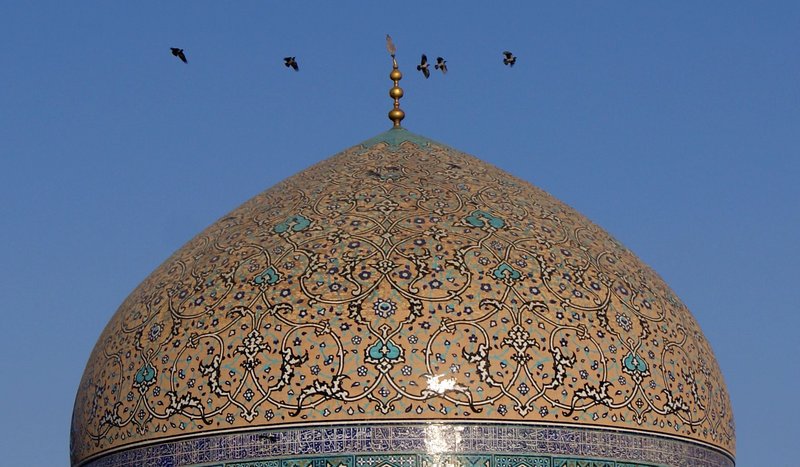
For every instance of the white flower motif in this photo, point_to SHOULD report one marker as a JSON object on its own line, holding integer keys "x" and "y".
{"x": 384, "y": 308}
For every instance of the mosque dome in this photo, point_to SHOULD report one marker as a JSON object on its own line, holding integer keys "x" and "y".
{"x": 402, "y": 304}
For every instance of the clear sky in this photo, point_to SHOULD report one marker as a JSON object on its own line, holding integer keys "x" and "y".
{"x": 674, "y": 125}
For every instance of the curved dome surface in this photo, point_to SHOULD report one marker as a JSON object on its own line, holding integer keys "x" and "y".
{"x": 397, "y": 295}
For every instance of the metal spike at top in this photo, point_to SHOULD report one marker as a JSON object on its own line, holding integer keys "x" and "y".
{"x": 390, "y": 46}
{"x": 396, "y": 115}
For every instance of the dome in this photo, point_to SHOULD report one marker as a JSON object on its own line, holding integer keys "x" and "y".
{"x": 402, "y": 303}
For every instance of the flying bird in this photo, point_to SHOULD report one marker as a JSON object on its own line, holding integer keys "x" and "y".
{"x": 290, "y": 62}
{"x": 390, "y": 45}
{"x": 441, "y": 64}
{"x": 510, "y": 59}
{"x": 179, "y": 53}
{"x": 423, "y": 66}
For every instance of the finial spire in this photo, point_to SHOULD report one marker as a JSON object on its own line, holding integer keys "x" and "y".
{"x": 396, "y": 115}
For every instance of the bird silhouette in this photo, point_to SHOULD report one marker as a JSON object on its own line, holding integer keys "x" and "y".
{"x": 510, "y": 59}
{"x": 179, "y": 53}
{"x": 441, "y": 64}
{"x": 290, "y": 62}
{"x": 423, "y": 66}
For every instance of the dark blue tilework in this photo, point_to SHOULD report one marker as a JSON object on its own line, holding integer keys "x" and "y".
{"x": 422, "y": 445}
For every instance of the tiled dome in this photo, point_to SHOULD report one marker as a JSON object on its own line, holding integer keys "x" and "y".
{"x": 396, "y": 302}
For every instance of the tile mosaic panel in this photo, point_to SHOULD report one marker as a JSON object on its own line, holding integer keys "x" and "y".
{"x": 455, "y": 460}
{"x": 422, "y": 446}
{"x": 522, "y": 461}
{"x": 400, "y": 280}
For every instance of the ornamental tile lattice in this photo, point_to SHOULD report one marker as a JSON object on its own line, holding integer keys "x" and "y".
{"x": 400, "y": 281}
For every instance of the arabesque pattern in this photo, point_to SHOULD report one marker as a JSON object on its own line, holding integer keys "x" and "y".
{"x": 400, "y": 280}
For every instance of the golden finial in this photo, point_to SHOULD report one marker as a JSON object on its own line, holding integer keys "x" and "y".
{"x": 396, "y": 115}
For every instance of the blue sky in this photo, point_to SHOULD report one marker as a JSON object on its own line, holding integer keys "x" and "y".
{"x": 674, "y": 125}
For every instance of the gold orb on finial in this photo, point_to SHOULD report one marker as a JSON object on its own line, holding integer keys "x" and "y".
{"x": 396, "y": 115}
